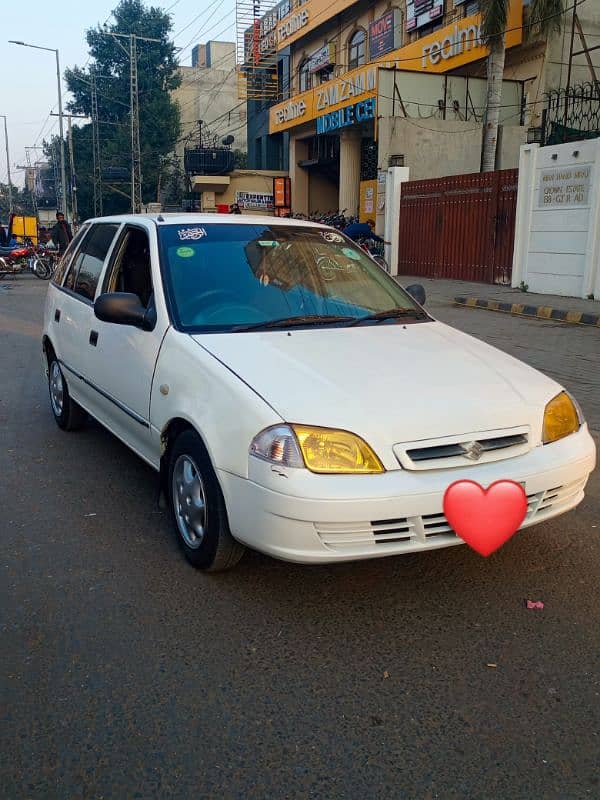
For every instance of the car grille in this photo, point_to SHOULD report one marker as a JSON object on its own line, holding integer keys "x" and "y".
{"x": 467, "y": 449}
{"x": 405, "y": 532}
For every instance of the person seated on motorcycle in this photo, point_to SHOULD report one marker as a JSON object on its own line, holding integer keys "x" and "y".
{"x": 362, "y": 230}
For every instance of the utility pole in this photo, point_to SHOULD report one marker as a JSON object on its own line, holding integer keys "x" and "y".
{"x": 136, "y": 156}
{"x": 74, "y": 215}
{"x": 96, "y": 152}
{"x": 33, "y": 197}
{"x": 10, "y": 195}
{"x": 73, "y": 181}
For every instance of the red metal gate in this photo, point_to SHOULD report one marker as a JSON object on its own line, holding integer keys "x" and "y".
{"x": 459, "y": 227}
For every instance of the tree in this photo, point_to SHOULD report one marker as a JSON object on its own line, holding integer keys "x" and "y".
{"x": 545, "y": 17}
{"x": 110, "y": 69}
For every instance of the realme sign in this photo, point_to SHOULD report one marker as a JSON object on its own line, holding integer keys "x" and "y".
{"x": 459, "y": 40}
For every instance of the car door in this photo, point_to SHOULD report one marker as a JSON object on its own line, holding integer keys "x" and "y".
{"x": 122, "y": 358}
{"x": 73, "y": 310}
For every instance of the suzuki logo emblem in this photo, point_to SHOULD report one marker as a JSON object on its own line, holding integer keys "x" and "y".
{"x": 473, "y": 450}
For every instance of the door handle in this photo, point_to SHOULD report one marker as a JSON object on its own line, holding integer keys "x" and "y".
{"x": 57, "y": 315}
{"x": 93, "y": 338}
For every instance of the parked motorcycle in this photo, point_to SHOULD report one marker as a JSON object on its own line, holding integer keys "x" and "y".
{"x": 17, "y": 260}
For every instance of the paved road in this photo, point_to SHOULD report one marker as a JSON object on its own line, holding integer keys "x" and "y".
{"x": 126, "y": 674}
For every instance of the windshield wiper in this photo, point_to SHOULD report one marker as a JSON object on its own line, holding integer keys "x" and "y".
{"x": 393, "y": 313}
{"x": 288, "y": 322}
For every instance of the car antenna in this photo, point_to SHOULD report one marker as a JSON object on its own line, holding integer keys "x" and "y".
{"x": 160, "y": 218}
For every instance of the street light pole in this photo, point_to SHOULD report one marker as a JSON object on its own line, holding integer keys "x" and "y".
{"x": 63, "y": 175}
{"x": 10, "y": 196}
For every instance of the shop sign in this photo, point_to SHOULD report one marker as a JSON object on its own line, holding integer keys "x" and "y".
{"x": 359, "y": 84}
{"x": 347, "y": 116}
{"x": 292, "y": 25}
{"x": 306, "y": 17}
{"x": 455, "y": 44}
{"x": 422, "y": 12}
{"x": 252, "y": 200}
{"x": 282, "y": 192}
{"x": 384, "y": 34}
{"x": 458, "y": 40}
{"x": 292, "y": 110}
{"x": 323, "y": 57}
{"x": 345, "y": 89}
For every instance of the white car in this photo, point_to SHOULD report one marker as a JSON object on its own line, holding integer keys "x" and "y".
{"x": 291, "y": 396}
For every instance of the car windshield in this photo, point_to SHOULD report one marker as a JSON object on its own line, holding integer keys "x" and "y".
{"x": 236, "y": 277}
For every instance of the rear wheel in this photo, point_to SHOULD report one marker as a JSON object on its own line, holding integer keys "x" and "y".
{"x": 41, "y": 269}
{"x": 198, "y": 508}
{"x": 68, "y": 414}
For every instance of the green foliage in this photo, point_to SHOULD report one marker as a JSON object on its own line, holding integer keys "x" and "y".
{"x": 494, "y": 16}
{"x": 158, "y": 114}
{"x": 545, "y": 17}
{"x": 524, "y": 287}
{"x": 240, "y": 159}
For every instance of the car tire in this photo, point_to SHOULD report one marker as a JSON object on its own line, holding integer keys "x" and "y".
{"x": 68, "y": 414}
{"x": 198, "y": 508}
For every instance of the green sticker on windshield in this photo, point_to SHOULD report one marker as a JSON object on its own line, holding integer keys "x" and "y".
{"x": 350, "y": 253}
{"x": 268, "y": 243}
{"x": 185, "y": 252}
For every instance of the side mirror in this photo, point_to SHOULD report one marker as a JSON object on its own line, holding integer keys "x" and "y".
{"x": 417, "y": 292}
{"x": 123, "y": 308}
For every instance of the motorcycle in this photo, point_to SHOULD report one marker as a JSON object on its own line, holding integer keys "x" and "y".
{"x": 17, "y": 260}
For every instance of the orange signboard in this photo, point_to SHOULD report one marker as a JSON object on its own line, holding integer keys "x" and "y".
{"x": 454, "y": 45}
{"x": 306, "y": 17}
{"x": 356, "y": 85}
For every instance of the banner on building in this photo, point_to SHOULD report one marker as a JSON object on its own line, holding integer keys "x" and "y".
{"x": 254, "y": 200}
{"x": 385, "y": 34}
{"x": 282, "y": 192}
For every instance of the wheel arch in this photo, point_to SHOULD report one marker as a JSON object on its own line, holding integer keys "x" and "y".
{"x": 173, "y": 428}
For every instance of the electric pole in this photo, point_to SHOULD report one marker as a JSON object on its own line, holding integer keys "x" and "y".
{"x": 96, "y": 152}
{"x": 136, "y": 155}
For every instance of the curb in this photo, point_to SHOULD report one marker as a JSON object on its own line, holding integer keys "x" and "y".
{"x": 537, "y": 312}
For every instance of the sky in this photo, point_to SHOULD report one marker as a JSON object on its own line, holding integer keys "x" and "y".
{"x": 29, "y": 87}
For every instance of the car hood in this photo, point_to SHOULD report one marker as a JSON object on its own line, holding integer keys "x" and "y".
{"x": 389, "y": 382}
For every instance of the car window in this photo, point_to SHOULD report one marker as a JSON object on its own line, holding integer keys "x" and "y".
{"x": 223, "y": 276}
{"x": 88, "y": 262}
{"x": 67, "y": 258}
{"x": 130, "y": 269}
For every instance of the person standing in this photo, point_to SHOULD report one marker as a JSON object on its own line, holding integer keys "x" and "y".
{"x": 61, "y": 233}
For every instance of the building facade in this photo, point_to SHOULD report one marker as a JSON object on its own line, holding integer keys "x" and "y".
{"x": 372, "y": 84}
{"x": 209, "y": 92}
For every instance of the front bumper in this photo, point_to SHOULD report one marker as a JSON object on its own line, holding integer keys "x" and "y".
{"x": 298, "y": 516}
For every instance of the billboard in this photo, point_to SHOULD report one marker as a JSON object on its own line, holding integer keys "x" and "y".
{"x": 422, "y": 12}
{"x": 385, "y": 34}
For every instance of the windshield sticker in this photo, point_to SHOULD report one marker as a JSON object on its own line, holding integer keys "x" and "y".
{"x": 185, "y": 252}
{"x": 268, "y": 243}
{"x": 350, "y": 253}
{"x": 193, "y": 234}
{"x": 332, "y": 236}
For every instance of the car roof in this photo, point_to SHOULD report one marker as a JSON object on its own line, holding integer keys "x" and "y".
{"x": 178, "y": 218}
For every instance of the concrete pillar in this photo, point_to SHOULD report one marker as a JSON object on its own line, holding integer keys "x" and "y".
{"x": 396, "y": 176}
{"x": 299, "y": 176}
{"x": 349, "y": 172}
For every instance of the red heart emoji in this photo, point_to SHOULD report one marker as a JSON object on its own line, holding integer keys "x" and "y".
{"x": 485, "y": 518}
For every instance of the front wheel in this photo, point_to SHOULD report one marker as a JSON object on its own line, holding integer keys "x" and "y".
{"x": 198, "y": 507}
{"x": 67, "y": 413}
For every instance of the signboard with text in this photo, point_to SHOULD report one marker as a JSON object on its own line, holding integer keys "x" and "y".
{"x": 565, "y": 186}
{"x": 422, "y": 12}
{"x": 384, "y": 34}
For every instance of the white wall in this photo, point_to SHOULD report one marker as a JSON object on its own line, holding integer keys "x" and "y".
{"x": 557, "y": 235}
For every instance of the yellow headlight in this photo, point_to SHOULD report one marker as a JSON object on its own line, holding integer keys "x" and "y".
{"x": 560, "y": 418}
{"x": 327, "y": 450}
